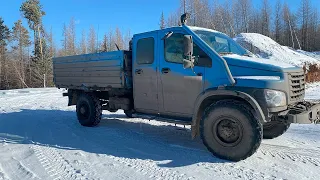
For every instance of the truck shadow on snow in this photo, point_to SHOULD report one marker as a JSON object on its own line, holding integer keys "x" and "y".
{"x": 115, "y": 135}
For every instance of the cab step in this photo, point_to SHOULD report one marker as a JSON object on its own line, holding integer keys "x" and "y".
{"x": 186, "y": 121}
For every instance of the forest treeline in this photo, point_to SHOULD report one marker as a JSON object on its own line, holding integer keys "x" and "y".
{"x": 26, "y": 52}
{"x": 299, "y": 29}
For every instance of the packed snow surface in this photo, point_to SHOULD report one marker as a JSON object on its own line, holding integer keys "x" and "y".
{"x": 40, "y": 138}
{"x": 265, "y": 47}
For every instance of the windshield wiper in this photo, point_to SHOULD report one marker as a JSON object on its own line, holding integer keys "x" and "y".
{"x": 249, "y": 55}
{"x": 225, "y": 53}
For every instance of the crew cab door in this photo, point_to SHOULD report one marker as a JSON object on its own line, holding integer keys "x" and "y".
{"x": 180, "y": 87}
{"x": 145, "y": 84}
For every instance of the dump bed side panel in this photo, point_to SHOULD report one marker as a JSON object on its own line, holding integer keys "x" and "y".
{"x": 90, "y": 71}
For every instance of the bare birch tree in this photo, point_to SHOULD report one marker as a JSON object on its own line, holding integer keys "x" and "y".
{"x": 104, "y": 44}
{"x": 83, "y": 43}
{"x": 162, "y": 23}
{"x": 278, "y": 21}
{"x": 304, "y": 15}
{"x": 265, "y": 17}
{"x": 92, "y": 40}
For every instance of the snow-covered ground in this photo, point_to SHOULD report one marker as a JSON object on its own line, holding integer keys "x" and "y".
{"x": 40, "y": 138}
{"x": 264, "y": 47}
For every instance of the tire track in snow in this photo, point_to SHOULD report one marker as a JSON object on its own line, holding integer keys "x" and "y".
{"x": 146, "y": 167}
{"x": 149, "y": 168}
{"x": 234, "y": 171}
{"x": 55, "y": 164}
{"x": 19, "y": 171}
{"x": 26, "y": 172}
{"x": 305, "y": 156}
{"x": 3, "y": 175}
{"x": 15, "y": 166}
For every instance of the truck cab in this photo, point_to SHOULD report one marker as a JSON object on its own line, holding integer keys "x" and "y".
{"x": 195, "y": 76}
{"x": 161, "y": 85}
{"x": 160, "y": 76}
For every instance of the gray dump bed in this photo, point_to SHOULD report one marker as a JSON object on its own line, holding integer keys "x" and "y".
{"x": 93, "y": 71}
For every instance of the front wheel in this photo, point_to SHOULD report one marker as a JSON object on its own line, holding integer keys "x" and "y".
{"x": 230, "y": 131}
{"x": 89, "y": 110}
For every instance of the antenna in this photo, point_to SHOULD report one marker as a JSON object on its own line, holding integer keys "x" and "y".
{"x": 117, "y": 46}
{"x": 184, "y": 6}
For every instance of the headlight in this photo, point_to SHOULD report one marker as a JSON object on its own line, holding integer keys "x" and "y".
{"x": 275, "y": 98}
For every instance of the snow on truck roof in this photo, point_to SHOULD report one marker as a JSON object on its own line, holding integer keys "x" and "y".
{"x": 195, "y": 28}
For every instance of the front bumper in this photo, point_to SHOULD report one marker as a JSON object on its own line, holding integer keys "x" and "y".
{"x": 304, "y": 113}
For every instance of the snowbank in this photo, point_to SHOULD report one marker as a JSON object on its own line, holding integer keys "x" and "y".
{"x": 264, "y": 47}
{"x": 312, "y": 91}
{"x": 315, "y": 55}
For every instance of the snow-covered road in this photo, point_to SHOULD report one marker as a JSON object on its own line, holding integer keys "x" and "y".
{"x": 40, "y": 138}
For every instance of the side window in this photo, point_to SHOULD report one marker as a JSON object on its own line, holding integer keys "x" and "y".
{"x": 173, "y": 47}
{"x": 145, "y": 51}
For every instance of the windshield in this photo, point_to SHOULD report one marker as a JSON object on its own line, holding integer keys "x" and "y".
{"x": 221, "y": 43}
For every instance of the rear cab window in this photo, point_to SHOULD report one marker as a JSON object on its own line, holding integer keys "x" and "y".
{"x": 145, "y": 51}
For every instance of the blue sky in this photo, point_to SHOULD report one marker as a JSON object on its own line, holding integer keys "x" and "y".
{"x": 134, "y": 15}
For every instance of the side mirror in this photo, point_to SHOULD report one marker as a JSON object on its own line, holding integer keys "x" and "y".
{"x": 188, "y": 45}
{"x": 188, "y": 52}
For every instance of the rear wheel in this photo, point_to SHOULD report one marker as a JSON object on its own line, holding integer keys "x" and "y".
{"x": 274, "y": 129}
{"x": 230, "y": 131}
{"x": 89, "y": 110}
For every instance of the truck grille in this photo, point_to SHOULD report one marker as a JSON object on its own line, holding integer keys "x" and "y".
{"x": 297, "y": 86}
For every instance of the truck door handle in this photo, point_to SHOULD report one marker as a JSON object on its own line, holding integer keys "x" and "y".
{"x": 138, "y": 71}
{"x": 165, "y": 70}
{"x": 199, "y": 74}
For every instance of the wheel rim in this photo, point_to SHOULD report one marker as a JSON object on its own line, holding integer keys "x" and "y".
{"x": 227, "y": 131}
{"x": 84, "y": 111}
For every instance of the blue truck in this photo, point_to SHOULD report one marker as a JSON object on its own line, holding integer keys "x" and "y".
{"x": 194, "y": 76}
